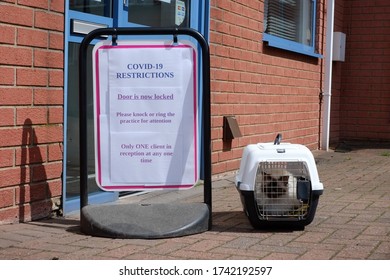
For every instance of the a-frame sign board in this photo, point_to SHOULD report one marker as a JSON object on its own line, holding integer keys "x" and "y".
{"x": 146, "y": 131}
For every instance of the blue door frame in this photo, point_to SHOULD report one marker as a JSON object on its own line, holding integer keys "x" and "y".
{"x": 199, "y": 20}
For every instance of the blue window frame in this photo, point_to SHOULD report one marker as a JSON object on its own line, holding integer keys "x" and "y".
{"x": 291, "y": 25}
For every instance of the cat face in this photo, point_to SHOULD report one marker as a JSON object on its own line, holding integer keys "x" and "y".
{"x": 275, "y": 186}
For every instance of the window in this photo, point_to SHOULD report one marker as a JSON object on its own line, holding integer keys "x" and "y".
{"x": 159, "y": 13}
{"x": 290, "y": 25}
{"x": 95, "y": 7}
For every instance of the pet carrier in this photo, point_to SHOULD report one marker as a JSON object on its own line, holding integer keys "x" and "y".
{"x": 278, "y": 184}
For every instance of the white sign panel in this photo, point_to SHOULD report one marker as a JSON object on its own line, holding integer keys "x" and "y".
{"x": 145, "y": 102}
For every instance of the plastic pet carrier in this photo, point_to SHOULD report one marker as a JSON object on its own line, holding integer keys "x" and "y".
{"x": 278, "y": 184}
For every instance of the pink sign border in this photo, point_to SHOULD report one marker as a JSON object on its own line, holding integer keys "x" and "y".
{"x": 97, "y": 95}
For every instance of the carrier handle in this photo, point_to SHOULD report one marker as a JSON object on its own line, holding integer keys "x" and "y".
{"x": 278, "y": 139}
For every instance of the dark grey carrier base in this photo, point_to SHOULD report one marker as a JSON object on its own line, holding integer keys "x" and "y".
{"x": 251, "y": 209}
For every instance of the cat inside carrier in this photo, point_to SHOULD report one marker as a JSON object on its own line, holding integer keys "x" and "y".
{"x": 278, "y": 184}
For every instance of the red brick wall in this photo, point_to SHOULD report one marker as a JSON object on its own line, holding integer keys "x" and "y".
{"x": 269, "y": 91}
{"x": 337, "y": 66}
{"x": 364, "y": 88}
{"x": 31, "y": 108}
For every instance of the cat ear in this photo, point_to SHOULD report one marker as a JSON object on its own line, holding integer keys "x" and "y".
{"x": 285, "y": 179}
{"x": 266, "y": 176}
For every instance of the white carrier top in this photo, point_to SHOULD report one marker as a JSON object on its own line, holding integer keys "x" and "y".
{"x": 269, "y": 152}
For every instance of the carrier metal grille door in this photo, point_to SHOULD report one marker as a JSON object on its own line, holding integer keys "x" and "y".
{"x": 282, "y": 190}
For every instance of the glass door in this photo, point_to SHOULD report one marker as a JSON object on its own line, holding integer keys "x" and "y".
{"x": 159, "y": 13}
{"x": 83, "y": 16}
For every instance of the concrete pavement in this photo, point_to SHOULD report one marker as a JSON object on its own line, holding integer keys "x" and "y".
{"x": 352, "y": 221}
